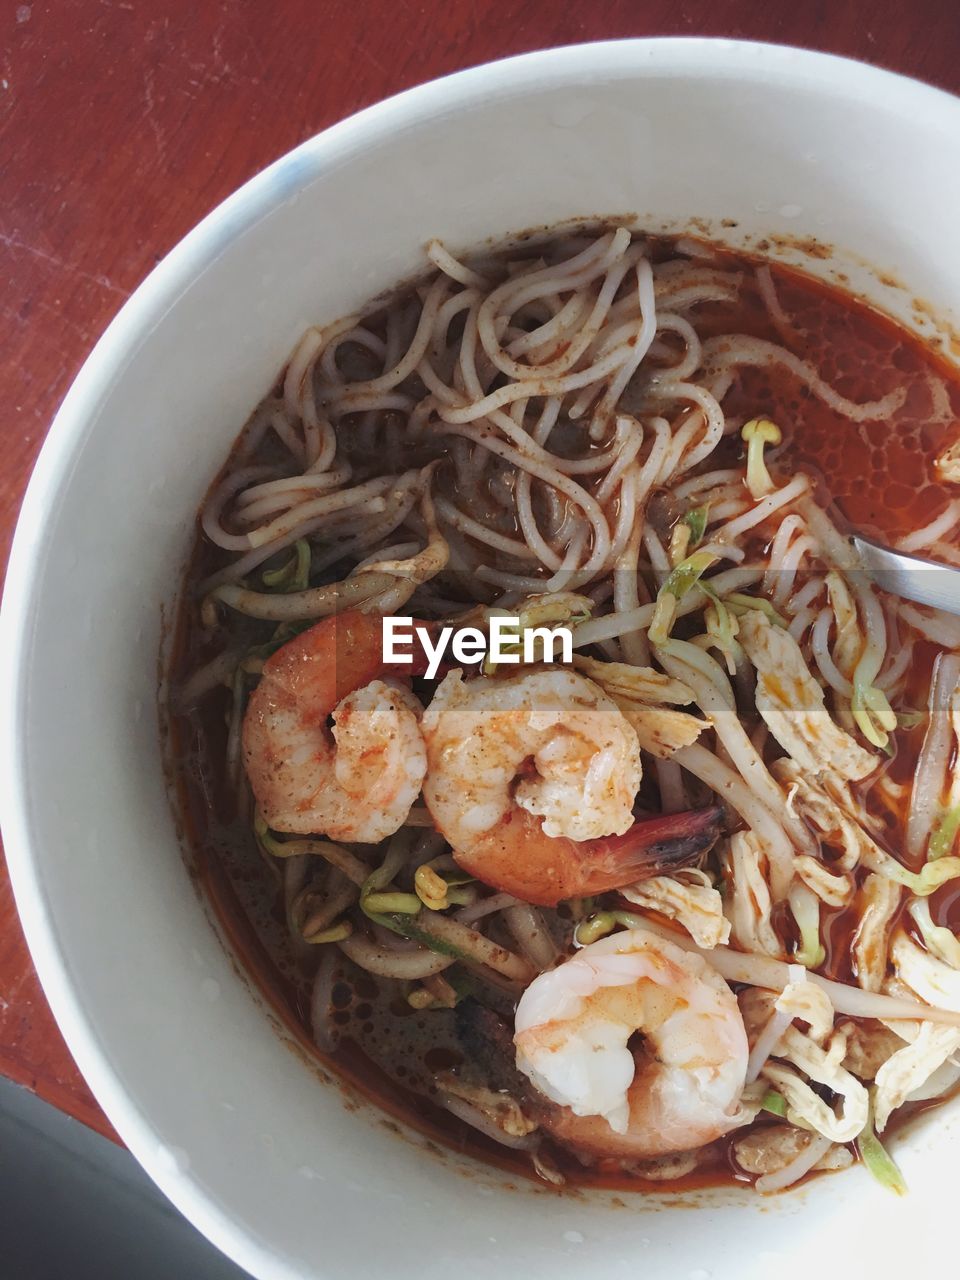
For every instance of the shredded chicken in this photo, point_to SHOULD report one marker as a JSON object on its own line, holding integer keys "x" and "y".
{"x": 829, "y": 820}
{"x": 804, "y": 1060}
{"x": 828, "y": 807}
{"x": 924, "y": 974}
{"x": 868, "y": 1048}
{"x": 929, "y": 1063}
{"x": 767, "y": 1016}
{"x": 748, "y": 903}
{"x": 911, "y": 1067}
{"x": 772, "y": 1148}
{"x": 849, "y": 641}
{"x": 809, "y": 1003}
{"x": 819, "y": 1055}
{"x": 834, "y": 890}
{"x": 792, "y": 704}
{"x": 688, "y": 897}
{"x": 660, "y": 730}
{"x": 639, "y": 692}
{"x": 637, "y": 684}
{"x": 879, "y": 904}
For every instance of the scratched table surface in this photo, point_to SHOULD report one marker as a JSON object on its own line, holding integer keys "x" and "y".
{"x": 122, "y": 122}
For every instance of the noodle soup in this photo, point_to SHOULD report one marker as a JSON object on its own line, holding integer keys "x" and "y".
{"x": 680, "y": 909}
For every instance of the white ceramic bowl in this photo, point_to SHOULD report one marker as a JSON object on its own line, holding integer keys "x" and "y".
{"x": 229, "y": 1120}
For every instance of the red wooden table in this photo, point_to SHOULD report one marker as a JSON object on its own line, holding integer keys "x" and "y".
{"x": 123, "y": 121}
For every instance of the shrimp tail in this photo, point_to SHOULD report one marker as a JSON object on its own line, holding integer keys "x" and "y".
{"x": 651, "y": 847}
{"x": 517, "y": 857}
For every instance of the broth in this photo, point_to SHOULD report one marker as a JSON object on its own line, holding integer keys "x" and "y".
{"x": 878, "y": 477}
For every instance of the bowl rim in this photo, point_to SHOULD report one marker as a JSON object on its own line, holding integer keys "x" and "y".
{"x": 131, "y": 326}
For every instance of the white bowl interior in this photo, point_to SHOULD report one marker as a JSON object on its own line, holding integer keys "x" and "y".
{"x": 231, "y": 1121}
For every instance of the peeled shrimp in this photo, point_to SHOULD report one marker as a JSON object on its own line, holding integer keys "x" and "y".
{"x": 532, "y": 779}
{"x": 574, "y": 1039}
{"x": 355, "y": 781}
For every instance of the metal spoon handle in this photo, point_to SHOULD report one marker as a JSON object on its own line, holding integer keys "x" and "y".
{"x": 912, "y": 577}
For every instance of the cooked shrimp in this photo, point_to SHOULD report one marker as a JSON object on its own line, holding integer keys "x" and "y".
{"x": 532, "y": 780}
{"x": 574, "y": 1039}
{"x": 356, "y": 780}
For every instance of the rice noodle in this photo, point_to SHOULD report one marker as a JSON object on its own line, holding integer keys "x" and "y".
{"x": 448, "y": 264}
{"x": 763, "y": 510}
{"x": 945, "y": 523}
{"x": 768, "y": 292}
{"x": 734, "y": 349}
{"x": 551, "y": 419}
{"x": 218, "y": 671}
